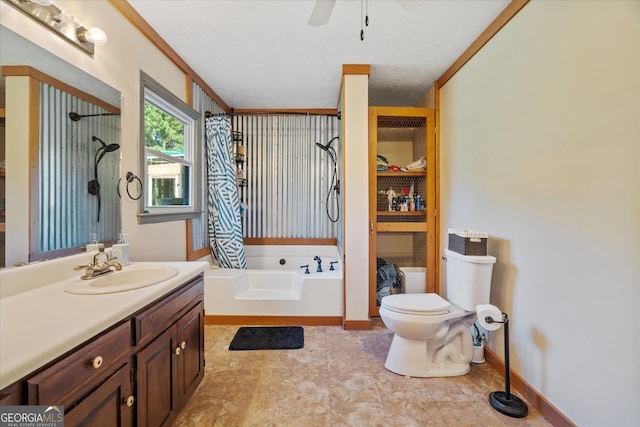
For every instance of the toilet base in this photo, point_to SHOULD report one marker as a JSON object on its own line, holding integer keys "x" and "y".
{"x": 411, "y": 358}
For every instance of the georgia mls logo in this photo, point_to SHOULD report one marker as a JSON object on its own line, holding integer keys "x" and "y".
{"x": 31, "y": 416}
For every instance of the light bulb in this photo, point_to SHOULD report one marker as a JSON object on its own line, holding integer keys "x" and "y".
{"x": 93, "y": 35}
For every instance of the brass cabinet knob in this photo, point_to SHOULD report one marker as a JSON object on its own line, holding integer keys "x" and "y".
{"x": 178, "y": 351}
{"x": 183, "y": 345}
{"x": 97, "y": 362}
{"x": 129, "y": 401}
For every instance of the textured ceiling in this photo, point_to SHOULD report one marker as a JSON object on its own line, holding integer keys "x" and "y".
{"x": 261, "y": 54}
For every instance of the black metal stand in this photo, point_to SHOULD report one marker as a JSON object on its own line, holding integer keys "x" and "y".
{"x": 504, "y": 401}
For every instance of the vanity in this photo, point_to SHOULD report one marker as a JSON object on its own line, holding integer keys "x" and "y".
{"x": 131, "y": 357}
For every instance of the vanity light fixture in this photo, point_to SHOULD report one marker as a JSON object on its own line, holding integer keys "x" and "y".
{"x": 66, "y": 24}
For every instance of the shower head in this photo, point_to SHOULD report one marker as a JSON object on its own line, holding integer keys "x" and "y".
{"x": 322, "y": 147}
{"x": 94, "y": 185}
{"x": 326, "y": 146}
{"x": 75, "y": 116}
{"x": 106, "y": 148}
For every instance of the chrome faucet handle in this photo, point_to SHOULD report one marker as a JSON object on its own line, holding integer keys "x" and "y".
{"x": 331, "y": 265}
{"x": 306, "y": 268}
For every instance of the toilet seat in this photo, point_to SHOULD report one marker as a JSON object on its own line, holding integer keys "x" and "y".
{"x": 416, "y": 304}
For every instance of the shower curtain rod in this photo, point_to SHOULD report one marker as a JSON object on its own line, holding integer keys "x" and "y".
{"x": 208, "y": 114}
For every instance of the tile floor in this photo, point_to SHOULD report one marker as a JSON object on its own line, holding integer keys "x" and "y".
{"x": 337, "y": 379}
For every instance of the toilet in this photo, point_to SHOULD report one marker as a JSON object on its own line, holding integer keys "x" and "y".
{"x": 431, "y": 334}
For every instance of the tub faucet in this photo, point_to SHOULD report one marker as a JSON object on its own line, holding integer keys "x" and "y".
{"x": 317, "y": 258}
{"x": 95, "y": 269}
{"x": 331, "y": 265}
{"x": 306, "y": 268}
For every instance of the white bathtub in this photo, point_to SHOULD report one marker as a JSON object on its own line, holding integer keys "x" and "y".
{"x": 275, "y": 286}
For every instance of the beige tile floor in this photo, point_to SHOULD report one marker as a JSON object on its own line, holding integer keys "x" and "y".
{"x": 337, "y": 379}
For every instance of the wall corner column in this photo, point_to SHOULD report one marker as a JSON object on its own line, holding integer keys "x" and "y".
{"x": 355, "y": 110}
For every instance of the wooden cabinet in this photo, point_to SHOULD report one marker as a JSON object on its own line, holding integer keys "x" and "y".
{"x": 174, "y": 364}
{"x": 139, "y": 372}
{"x": 71, "y": 377}
{"x": 111, "y": 404}
{"x": 402, "y": 220}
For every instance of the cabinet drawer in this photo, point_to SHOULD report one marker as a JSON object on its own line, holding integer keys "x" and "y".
{"x": 154, "y": 321}
{"x": 90, "y": 363}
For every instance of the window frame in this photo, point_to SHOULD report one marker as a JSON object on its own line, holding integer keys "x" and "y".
{"x": 153, "y": 92}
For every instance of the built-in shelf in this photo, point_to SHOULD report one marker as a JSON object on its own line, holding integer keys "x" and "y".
{"x": 398, "y": 174}
{"x": 401, "y": 213}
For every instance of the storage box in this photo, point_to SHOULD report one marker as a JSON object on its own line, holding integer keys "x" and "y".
{"x": 467, "y": 242}
{"x": 414, "y": 280}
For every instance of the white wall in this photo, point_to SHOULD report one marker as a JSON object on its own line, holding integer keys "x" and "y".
{"x": 118, "y": 64}
{"x": 540, "y": 147}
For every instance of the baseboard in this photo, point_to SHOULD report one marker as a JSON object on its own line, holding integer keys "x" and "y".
{"x": 550, "y": 412}
{"x": 357, "y": 325}
{"x": 273, "y": 320}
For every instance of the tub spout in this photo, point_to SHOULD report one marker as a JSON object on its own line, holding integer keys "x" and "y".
{"x": 317, "y": 258}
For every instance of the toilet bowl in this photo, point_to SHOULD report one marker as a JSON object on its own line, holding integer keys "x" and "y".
{"x": 431, "y": 334}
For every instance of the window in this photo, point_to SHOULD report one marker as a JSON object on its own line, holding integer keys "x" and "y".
{"x": 170, "y": 129}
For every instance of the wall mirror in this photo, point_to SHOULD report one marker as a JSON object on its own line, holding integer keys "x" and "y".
{"x": 73, "y": 160}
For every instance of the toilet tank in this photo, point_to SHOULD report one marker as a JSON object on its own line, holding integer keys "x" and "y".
{"x": 468, "y": 281}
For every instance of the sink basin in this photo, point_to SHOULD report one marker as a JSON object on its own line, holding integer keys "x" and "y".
{"x": 128, "y": 279}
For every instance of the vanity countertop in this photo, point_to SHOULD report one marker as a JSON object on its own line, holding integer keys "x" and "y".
{"x": 41, "y": 322}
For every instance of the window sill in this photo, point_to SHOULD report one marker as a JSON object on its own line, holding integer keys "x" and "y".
{"x": 147, "y": 218}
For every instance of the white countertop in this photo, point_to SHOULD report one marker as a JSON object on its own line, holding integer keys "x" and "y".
{"x": 39, "y": 322}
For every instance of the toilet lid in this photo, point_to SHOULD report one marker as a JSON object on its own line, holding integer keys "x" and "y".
{"x": 416, "y": 304}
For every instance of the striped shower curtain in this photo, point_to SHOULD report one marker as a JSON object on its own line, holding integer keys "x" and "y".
{"x": 225, "y": 228}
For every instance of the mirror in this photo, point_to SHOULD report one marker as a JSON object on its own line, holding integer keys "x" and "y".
{"x": 74, "y": 176}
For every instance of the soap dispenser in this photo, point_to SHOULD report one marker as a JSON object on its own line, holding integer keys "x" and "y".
{"x": 120, "y": 251}
{"x": 94, "y": 245}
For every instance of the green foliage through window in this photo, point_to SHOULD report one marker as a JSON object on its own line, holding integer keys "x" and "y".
{"x": 162, "y": 131}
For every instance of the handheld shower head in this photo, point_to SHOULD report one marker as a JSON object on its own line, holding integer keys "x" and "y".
{"x": 94, "y": 185}
{"x": 326, "y": 146}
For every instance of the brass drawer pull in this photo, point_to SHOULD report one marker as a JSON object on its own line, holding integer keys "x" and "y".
{"x": 97, "y": 362}
{"x": 183, "y": 345}
{"x": 129, "y": 401}
{"x": 178, "y": 351}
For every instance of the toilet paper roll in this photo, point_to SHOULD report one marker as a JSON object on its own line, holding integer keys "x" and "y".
{"x": 488, "y": 310}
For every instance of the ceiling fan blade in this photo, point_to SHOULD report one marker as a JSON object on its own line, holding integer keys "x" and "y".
{"x": 321, "y": 12}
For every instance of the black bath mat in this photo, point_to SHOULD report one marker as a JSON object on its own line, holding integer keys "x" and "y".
{"x": 268, "y": 338}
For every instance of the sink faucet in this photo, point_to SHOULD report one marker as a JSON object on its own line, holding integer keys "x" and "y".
{"x": 317, "y": 258}
{"x": 95, "y": 269}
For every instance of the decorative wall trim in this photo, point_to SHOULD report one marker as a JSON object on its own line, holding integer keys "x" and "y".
{"x": 273, "y": 320}
{"x": 501, "y": 20}
{"x": 357, "y": 325}
{"x": 356, "y": 69}
{"x": 25, "y": 70}
{"x": 550, "y": 412}
{"x": 287, "y": 241}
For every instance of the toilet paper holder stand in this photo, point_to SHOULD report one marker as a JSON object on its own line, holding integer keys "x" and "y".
{"x": 503, "y": 401}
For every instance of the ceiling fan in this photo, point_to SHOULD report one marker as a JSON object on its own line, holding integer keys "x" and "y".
{"x": 322, "y": 10}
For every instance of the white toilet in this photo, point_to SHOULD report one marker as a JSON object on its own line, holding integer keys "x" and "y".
{"x": 431, "y": 335}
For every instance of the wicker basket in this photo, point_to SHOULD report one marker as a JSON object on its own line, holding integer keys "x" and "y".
{"x": 466, "y": 242}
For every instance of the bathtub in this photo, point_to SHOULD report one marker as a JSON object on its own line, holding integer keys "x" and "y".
{"x": 274, "y": 289}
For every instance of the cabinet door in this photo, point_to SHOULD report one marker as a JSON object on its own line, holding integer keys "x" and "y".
{"x": 111, "y": 404}
{"x": 157, "y": 379}
{"x": 191, "y": 357}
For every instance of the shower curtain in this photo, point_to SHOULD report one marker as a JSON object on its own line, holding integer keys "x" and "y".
{"x": 225, "y": 228}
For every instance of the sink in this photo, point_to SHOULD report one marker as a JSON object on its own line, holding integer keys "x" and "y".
{"x": 129, "y": 278}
